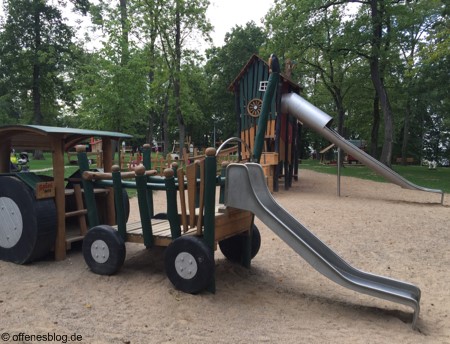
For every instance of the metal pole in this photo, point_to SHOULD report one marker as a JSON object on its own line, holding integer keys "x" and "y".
{"x": 339, "y": 173}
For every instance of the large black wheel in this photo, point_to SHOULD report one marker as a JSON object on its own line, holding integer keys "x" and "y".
{"x": 233, "y": 248}
{"x": 189, "y": 264}
{"x": 104, "y": 250}
{"x": 27, "y": 225}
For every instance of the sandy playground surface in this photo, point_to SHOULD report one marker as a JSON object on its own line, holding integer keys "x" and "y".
{"x": 376, "y": 227}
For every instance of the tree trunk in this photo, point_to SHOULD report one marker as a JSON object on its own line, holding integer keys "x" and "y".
{"x": 38, "y": 118}
{"x": 406, "y": 126}
{"x": 375, "y": 126}
{"x": 36, "y": 85}
{"x": 125, "y": 30}
{"x": 165, "y": 124}
{"x": 176, "y": 81}
{"x": 377, "y": 80}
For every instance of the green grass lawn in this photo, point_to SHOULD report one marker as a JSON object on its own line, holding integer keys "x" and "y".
{"x": 420, "y": 175}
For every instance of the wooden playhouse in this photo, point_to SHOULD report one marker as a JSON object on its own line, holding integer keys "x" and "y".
{"x": 281, "y": 155}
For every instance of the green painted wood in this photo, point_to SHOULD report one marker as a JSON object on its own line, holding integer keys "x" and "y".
{"x": 210, "y": 208}
{"x": 255, "y": 81}
{"x": 141, "y": 184}
{"x": 88, "y": 186}
{"x": 261, "y": 77}
{"x": 263, "y": 118}
{"x": 172, "y": 209}
{"x": 147, "y": 161}
{"x": 118, "y": 201}
{"x": 242, "y": 106}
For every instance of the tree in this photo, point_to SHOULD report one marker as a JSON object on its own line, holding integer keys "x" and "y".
{"x": 182, "y": 20}
{"x": 37, "y": 48}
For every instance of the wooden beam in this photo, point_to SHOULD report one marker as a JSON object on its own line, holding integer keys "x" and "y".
{"x": 5, "y": 152}
{"x": 60, "y": 199}
{"x": 107, "y": 165}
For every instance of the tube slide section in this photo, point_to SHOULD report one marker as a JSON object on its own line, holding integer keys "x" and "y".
{"x": 320, "y": 122}
{"x": 246, "y": 189}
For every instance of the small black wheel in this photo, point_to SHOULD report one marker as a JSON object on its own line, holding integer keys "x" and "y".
{"x": 233, "y": 248}
{"x": 104, "y": 250}
{"x": 189, "y": 264}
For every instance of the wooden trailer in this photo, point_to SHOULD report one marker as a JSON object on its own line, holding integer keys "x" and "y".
{"x": 191, "y": 227}
{"x": 33, "y": 213}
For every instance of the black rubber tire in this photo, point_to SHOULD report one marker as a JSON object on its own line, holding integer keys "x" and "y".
{"x": 37, "y": 218}
{"x": 197, "y": 249}
{"x": 233, "y": 248}
{"x": 115, "y": 245}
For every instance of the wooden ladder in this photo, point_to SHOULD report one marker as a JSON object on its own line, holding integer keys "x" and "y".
{"x": 80, "y": 211}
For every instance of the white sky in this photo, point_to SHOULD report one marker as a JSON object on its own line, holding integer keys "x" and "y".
{"x": 225, "y": 14}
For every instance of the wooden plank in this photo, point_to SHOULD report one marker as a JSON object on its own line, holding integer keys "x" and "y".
{"x": 5, "y": 153}
{"x": 107, "y": 164}
{"x": 80, "y": 206}
{"x": 60, "y": 198}
{"x": 45, "y": 190}
{"x": 191, "y": 186}
{"x": 232, "y": 222}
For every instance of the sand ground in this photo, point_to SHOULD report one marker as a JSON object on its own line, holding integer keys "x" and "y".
{"x": 376, "y": 227}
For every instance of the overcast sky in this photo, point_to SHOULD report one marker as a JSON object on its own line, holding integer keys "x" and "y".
{"x": 225, "y": 14}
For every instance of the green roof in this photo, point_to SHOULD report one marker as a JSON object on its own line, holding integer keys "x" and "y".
{"x": 41, "y": 137}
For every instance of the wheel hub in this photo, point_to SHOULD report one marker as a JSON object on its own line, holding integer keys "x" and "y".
{"x": 11, "y": 223}
{"x": 100, "y": 251}
{"x": 186, "y": 265}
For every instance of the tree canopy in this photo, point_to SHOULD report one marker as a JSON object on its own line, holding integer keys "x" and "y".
{"x": 147, "y": 68}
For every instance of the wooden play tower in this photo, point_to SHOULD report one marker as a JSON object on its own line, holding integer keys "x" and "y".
{"x": 280, "y": 155}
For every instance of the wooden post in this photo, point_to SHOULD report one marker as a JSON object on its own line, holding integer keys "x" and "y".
{"x": 88, "y": 187}
{"x": 5, "y": 152}
{"x": 209, "y": 233}
{"x": 141, "y": 185}
{"x": 107, "y": 166}
{"x": 60, "y": 198}
{"x": 172, "y": 208}
{"x": 120, "y": 212}
{"x": 147, "y": 161}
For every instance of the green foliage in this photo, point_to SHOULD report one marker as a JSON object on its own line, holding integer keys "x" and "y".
{"x": 35, "y": 52}
{"x": 145, "y": 79}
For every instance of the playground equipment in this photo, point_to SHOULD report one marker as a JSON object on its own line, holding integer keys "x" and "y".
{"x": 254, "y": 196}
{"x": 320, "y": 122}
{"x": 190, "y": 236}
{"x": 261, "y": 123}
{"x": 35, "y": 216}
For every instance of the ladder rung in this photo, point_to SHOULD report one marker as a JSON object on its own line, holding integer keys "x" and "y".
{"x": 76, "y": 213}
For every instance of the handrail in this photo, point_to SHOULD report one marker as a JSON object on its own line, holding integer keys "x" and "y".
{"x": 234, "y": 139}
{"x": 90, "y": 175}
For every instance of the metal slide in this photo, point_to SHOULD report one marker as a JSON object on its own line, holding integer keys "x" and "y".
{"x": 246, "y": 189}
{"x": 319, "y": 121}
